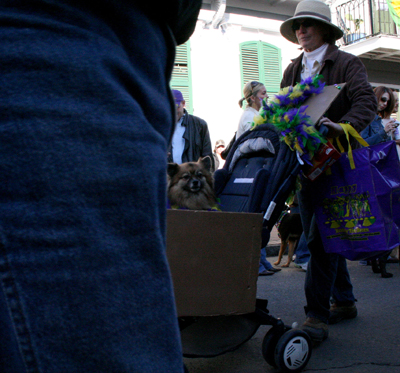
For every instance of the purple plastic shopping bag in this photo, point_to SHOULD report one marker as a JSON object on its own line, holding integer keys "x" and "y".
{"x": 358, "y": 211}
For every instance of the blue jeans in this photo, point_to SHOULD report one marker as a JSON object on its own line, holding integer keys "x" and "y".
{"x": 302, "y": 252}
{"x": 264, "y": 263}
{"x": 87, "y": 115}
{"x": 327, "y": 275}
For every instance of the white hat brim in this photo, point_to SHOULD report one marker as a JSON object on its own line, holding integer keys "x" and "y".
{"x": 289, "y": 34}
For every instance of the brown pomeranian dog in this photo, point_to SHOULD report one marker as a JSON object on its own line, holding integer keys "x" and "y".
{"x": 191, "y": 185}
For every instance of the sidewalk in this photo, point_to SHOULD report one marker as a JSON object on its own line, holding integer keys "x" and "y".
{"x": 367, "y": 344}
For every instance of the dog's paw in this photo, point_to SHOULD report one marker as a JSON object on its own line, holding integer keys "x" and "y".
{"x": 277, "y": 262}
{"x": 286, "y": 265}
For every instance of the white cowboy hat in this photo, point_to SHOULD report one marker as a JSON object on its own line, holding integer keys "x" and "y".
{"x": 314, "y": 9}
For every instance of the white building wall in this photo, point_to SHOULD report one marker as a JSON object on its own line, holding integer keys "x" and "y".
{"x": 215, "y": 61}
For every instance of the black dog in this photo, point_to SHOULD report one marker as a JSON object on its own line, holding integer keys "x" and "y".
{"x": 290, "y": 230}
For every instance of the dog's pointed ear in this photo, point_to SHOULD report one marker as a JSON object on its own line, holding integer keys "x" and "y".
{"x": 206, "y": 162}
{"x": 172, "y": 169}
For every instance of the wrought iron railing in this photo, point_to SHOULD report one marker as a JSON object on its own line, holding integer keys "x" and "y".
{"x": 361, "y": 19}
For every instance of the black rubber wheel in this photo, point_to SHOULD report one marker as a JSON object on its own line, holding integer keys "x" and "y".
{"x": 268, "y": 346}
{"x": 293, "y": 351}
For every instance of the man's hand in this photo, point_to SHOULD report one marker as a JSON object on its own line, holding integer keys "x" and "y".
{"x": 334, "y": 129}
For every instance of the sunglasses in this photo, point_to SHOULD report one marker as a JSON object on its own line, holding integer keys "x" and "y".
{"x": 384, "y": 99}
{"x": 306, "y": 23}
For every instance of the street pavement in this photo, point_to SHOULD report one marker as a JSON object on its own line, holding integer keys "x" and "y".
{"x": 368, "y": 344}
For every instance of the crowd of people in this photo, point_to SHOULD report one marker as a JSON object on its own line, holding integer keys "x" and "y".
{"x": 328, "y": 287}
{"x": 85, "y": 281}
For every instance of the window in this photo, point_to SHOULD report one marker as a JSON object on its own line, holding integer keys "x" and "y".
{"x": 383, "y": 21}
{"x": 262, "y": 62}
{"x": 181, "y": 74}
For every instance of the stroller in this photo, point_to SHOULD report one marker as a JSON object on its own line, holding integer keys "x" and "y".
{"x": 259, "y": 173}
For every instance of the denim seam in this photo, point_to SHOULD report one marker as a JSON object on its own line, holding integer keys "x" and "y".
{"x": 17, "y": 315}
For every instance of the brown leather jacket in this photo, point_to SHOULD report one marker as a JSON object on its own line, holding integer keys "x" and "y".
{"x": 357, "y": 102}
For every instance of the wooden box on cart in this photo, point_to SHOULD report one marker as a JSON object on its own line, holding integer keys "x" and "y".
{"x": 214, "y": 259}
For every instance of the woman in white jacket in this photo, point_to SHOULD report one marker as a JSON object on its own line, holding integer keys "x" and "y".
{"x": 253, "y": 92}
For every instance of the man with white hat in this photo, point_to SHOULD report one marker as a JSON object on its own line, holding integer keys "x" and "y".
{"x": 327, "y": 275}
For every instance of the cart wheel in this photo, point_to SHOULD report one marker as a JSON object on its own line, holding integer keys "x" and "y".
{"x": 268, "y": 346}
{"x": 293, "y": 351}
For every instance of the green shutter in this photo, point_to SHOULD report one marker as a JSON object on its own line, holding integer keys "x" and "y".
{"x": 272, "y": 68}
{"x": 249, "y": 62}
{"x": 262, "y": 62}
{"x": 181, "y": 74}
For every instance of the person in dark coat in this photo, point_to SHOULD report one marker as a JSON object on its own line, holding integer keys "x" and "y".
{"x": 85, "y": 282}
{"x": 218, "y": 149}
{"x": 327, "y": 275}
{"x": 191, "y": 138}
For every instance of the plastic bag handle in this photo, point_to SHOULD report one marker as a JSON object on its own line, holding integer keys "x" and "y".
{"x": 349, "y": 130}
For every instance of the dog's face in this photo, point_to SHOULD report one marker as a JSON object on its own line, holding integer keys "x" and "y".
{"x": 190, "y": 185}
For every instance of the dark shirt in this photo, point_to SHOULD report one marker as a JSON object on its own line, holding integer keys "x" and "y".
{"x": 197, "y": 140}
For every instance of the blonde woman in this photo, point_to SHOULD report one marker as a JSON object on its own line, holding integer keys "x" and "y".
{"x": 253, "y": 93}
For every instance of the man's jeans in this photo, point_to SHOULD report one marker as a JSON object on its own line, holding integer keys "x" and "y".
{"x": 264, "y": 263}
{"x": 86, "y": 117}
{"x": 327, "y": 275}
{"x": 302, "y": 252}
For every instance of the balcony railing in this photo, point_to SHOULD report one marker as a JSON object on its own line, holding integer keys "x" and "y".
{"x": 361, "y": 19}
